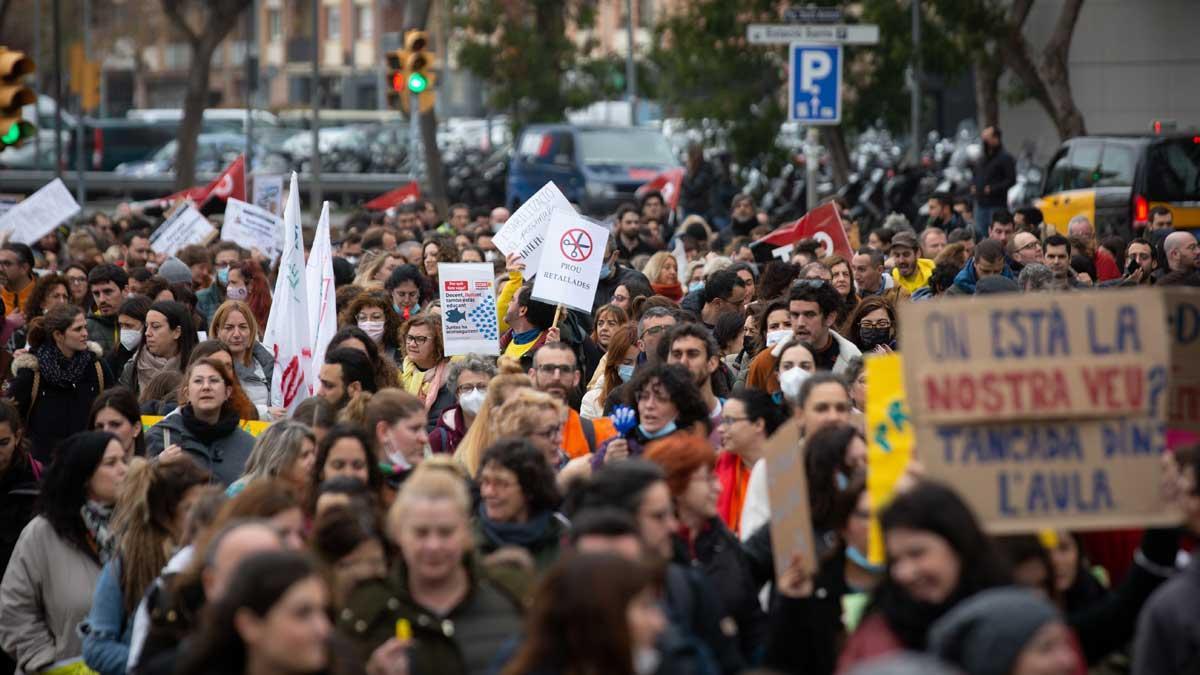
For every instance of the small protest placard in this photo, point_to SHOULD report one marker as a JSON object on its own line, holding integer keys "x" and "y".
{"x": 787, "y": 490}
{"x": 1183, "y": 325}
{"x": 41, "y": 212}
{"x": 469, "y": 321}
{"x": 252, "y": 226}
{"x": 184, "y": 227}
{"x": 268, "y": 192}
{"x": 889, "y": 438}
{"x": 571, "y": 259}
{"x": 525, "y": 231}
{"x": 1058, "y": 420}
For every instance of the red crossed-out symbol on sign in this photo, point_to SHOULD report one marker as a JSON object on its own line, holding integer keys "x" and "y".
{"x": 576, "y": 245}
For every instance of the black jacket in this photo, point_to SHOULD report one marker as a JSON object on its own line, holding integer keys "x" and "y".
{"x": 696, "y": 189}
{"x": 997, "y": 172}
{"x": 18, "y": 494}
{"x": 698, "y": 612}
{"x": 606, "y": 287}
{"x": 104, "y": 331}
{"x": 717, "y": 553}
{"x": 58, "y": 411}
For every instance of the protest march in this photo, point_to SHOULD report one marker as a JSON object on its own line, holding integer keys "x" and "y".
{"x": 412, "y": 442}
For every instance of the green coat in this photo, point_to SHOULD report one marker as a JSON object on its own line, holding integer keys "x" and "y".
{"x": 464, "y": 642}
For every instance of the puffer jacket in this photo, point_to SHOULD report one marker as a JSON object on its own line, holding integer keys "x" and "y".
{"x": 226, "y": 458}
{"x": 58, "y": 411}
{"x": 46, "y": 593}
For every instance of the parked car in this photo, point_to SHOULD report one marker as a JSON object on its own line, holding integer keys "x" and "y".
{"x": 596, "y": 167}
{"x": 213, "y": 153}
{"x": 1115, "y": 180}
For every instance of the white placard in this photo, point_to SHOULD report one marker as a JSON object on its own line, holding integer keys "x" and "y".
{"x": 40, "y": 213}
{"x": 469, "y": 321}
{"x": 252, "y": 226}
{"x": 571, "y": 260}
{"x": 8, "y": 201}
{"x": 268, "y": 192}
{"x": 185, "y": 227}
{"x": 525, "y": 230}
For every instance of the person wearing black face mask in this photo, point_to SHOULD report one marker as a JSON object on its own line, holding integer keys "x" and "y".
{"x": 873, "y": 326}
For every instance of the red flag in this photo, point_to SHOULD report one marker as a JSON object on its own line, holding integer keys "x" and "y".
{"x": 404, "y": 194}
{"x": 823, "y": 223}
{"x": 231, "y": 183}
{"x": 667, "y": 183}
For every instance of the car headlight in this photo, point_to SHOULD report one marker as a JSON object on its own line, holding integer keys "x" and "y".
{"x": 600, "y": 190}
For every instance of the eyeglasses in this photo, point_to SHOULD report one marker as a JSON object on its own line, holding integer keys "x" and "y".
{"x": 77, "y": 280}
{"x": 730, "y": 421}
{"x": 554, "y": 369}
{"x": 416, "y": 339}
{"x": 550, "y": 433}
{"x": 1026, "y": 247}
{"x": 654, "y": 330}
{"x": 882, "y": 323}
{"x": 468, "y": 388}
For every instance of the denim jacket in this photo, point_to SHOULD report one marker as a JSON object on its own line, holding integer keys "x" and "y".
{"x": 107, "y": 629}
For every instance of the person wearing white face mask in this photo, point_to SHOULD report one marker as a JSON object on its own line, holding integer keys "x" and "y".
{"x": 372, "y": 312}
{"x": 131, "y": 320}
{"x": 468, "y": 379}
{"x": 794, "y": 366}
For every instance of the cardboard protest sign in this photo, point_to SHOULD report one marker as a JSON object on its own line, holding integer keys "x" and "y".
{"x": 1075, "y": 446}
{"x": 889, "y": 438}
{"x": 787, "y": 489}
{"x": 1183, "y": 326}
{"x": 7, "y": 201}
{"x": 469, "y": 321}
{"x": 31, "y": 218}
{"x": 184, "y": 227}
{"x": 525, "y": 231}
{"x": 571, "y": 261}
{"x": 268, "y": 192}
{"x": 252, "y": 226}
{"x": 1041, "y": 356}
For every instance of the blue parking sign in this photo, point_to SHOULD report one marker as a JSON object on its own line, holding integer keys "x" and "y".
{"x": 815, "y": 83}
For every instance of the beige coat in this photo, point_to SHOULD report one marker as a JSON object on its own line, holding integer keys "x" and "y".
{"x": 45, "y": 595}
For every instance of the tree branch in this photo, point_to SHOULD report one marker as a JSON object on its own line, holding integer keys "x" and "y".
{"x": 1059, "y": 43}
{"x": 174, "y": 11}
{"x": 1020, "y": 12}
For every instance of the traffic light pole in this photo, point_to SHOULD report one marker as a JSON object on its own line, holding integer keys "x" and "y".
{"x": 80, "y": 165}
{"x": 315, "y": 200}
{"x": 58, "y": 90}
{"x": 37, "y": 84}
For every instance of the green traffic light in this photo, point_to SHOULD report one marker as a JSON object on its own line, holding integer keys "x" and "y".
{"x": 417, "y": 83}
{"x": 12, "y": 136}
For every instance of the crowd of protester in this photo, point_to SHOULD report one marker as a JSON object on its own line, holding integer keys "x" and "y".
{"x": 591, "y": 500}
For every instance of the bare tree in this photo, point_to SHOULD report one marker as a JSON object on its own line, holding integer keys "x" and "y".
{"x": 1047, "y": 76}
{"x": 214, "y": 20}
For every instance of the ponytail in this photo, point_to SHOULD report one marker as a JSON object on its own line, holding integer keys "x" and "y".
{"x": 355, "y": 411}
{"x": 57, "y": 320}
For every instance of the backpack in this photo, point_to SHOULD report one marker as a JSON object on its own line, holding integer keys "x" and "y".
{"x": 589, "y": 433}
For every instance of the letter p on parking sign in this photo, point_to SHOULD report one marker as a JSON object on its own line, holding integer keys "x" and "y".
{"x": 815, "y": 83}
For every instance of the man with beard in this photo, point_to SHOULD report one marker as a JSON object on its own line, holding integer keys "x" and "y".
{"x": 345, "y": 373}
{"x": 996, "y": 173}
{"x": 107, "y": 282}
{"x": 813, "y": 306}
{"x": 653, "y": 207}
{"x": 555, "y": 371}
{"x": 629, "y": 234}
{"x": 910, "y": 271}
{"x": 743, "y": 217}
{"x": 694, "y": 348}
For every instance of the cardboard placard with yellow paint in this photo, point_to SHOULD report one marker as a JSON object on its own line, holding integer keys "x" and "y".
{"x": 890, "y": 438}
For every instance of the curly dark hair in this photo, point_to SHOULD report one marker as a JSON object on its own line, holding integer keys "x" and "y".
{"x": 42, "y": 288}
{"x": 391, "y": 320}
{"x": 681, "y": 389}
{"x": 65, "y": 486}
{"x": 529, "y": 465}
{"x": 824, "y": 458}
{"x": 775, "y": 279}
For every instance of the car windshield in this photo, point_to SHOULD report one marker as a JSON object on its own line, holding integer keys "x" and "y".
{"x": 624, "y": 146}
{"x": 166, "y": 153}
{"x": 1173, "y": 170}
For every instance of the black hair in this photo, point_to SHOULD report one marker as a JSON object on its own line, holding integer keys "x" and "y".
{"x": 1056, "y": 240}
{"x": 777, "y": 276}
{"x": 538, "y": 313}
{"x": 405, "y": 273}
{"x": 618, "y": 485}
{"x": 338, "y": 532}
{"x": 1159, "y": 210}
{"x": 122, "y": 400}
{"x": 178, "y": 316}
{"x": 258, "y": 583}
{"x": 819, "y": 291}
{"x": 647, "y": 196}
{"x": 817, "y": 379}
{"x": 824, "y": 459}
{"x": 1001, "y": 216}
{"x": 677, "y": 380}
{"x": 627, "y": 208}
{"x": 942, "y": 277}
{"x": 65, "y": 487}
{"x": 692, "y": 330}
{"x": 989, "y": 250}
{"x": 356, "y": 367}
{"x": 602, "y": 522}
{"x": 960, "y": 234}
{"x": 106, "y": 272}
{"x": 728, "y": 326}
{"x": 24, "y": 253}
{"x": 760, "y": 406}
{"x": 720, "y": 284}
{"x": 1082, "y": 264}
{"x": 135, "y": 306}
{"x": 942, "y": 198}
{"x": 21, "y": 459}
{"x": 1033, "y": 216}
{"x": 885, "y": 234}
{"x": 533, "y": 473}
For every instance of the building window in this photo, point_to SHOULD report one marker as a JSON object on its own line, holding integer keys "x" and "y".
{"x": 274, "y": 24}
{"x": 646, "y": 13}
{"x": 333, "y": 23}
{"x": 364, "y": 21}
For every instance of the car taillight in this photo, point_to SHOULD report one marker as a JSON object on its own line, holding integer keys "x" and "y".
{"x": 97, "y": 149}
{"x": 1141, "y": 209}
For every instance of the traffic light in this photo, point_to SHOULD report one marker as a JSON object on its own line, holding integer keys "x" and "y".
{"x": 14, "y": 95}
{"x": 412, "y": 72}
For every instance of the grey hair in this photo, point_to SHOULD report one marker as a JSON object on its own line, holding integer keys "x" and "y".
{"x": 717, "y": 264}
{"x": 484, "y": 365}
{"x": 653, "y": 313}
{"x": 897, "y": 222}
{"x": 276, "y": 449}
{"x": 1035, "y": 277}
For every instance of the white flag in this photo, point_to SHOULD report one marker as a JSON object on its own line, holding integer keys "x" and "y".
{"x": 287, "y": 327}
{"x": 322, "y": 307}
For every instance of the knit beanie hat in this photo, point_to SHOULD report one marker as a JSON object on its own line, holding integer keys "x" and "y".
{"x": 175, "y": 271}
{"x": 985, "y": 633}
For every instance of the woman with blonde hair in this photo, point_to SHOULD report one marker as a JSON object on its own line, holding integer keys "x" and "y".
{"x": 470, "y": 449}
{"x": 234, "y": 324}
{"x": 537, "y": 417}
{"x": 148, "y": 522}
{"x": 663, "y": 272}
{"x": 286, "y": 450}
{"x": 374, "y": 270}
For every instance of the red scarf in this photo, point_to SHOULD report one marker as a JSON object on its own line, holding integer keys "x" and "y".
{"x": 673, "y": 292}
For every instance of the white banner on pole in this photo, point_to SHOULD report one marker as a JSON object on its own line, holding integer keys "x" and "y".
{"x": 41, "y": 212}
{"x": 286, "y": 334}
{"x": 469, "y": 321}
{"x": 525, "y": 230}
{"x": 252, "y": 226}
{"x": 322, "y": 305}
{"x": 571, "y": 260}
{"x": 185, "y": 227}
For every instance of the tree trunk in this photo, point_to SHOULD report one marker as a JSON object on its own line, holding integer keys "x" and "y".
{"x": 194, "y": 103}
{"x": 839, "y": 156}
{"x": 987, "y": 86}
{"x": 1048, "y": 78}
